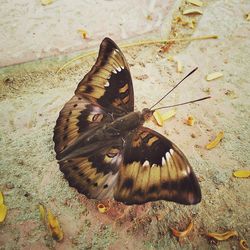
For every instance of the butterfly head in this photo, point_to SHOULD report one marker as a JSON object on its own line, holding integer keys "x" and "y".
{"x": 147, "y": 114}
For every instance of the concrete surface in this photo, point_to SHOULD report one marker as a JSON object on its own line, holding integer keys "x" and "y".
{"x": 30, "y": 30}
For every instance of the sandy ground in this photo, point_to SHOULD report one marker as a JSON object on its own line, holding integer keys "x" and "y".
{"x": 32, "y": 95}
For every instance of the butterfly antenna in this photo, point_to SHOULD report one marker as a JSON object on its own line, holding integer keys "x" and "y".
{"x": 183, "y": 103}
{"x": 175, "y": 86}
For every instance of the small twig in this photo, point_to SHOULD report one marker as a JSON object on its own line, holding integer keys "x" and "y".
{"x": 146, "y": 42}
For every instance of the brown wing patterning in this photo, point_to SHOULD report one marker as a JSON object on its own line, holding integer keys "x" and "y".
{"x": 95, "y": 175}
{"x": 133, "y": 167}
{"x": 109, "y": 82}
{"x": 77, "y": 116}
{"x": 155, "y": 169}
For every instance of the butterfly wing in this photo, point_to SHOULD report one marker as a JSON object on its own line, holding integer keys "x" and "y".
{"x": 153, "y": 169}
{"x": 78, "y": 118}
{"x": 109, "y": 83}
{"x": 104, "y": 94}
{"x": 94, "y": 174}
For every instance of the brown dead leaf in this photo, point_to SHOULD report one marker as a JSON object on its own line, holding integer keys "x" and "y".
{"x": 243, "y": 245}
{"x": 54, "y": 226}
{"x": 50, "y": 220}
{"x": 182, "y": 234}
{"x": 222, "y": 236}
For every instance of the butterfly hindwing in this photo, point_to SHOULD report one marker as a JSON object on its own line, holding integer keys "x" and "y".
{"x": 154, "y": 168}
{"x": 94, "y": 175}
{"x": 109, "y": 82}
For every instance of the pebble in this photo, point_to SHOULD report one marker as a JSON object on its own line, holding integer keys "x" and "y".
{"x": 9, "y": 185}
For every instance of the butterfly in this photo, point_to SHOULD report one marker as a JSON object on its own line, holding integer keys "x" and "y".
{"x": 104, "y": 150}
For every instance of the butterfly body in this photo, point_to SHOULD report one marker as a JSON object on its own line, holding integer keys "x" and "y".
{"x": 104, "y": 150}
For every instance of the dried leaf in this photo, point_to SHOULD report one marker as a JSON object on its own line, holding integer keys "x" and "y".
{"x": 243, "y": 245}
{"x": 102, "y": 208}
{"x": 242, "y": 173}
{"x": 3, "y": 212}
{"x": 195, "y": 2}
{"x": 190, "y": 121}
{"x": 51, "y": 222}
{"x": 83, "y": 33}
{"x": 42, "y": 211}
{"x": 247, "y": 16}
{"x": 46, "y": 2}
{"x": 54, "y": 226}
{"x": 214, "y": 76}
{"x": 181, "y": 234}
{"x": 192, "y": 11}
{"x": 216, "y": 141}
{"x": 149, "y": 17}
{"x": 1, "y": 198}
{"x": 170, "y": 58}
{"x": 160, "y": 118}
{"x": 179, "y": 66}
{"x": 222, "y": 236}
{"x": 168, "y": 114}
{"x": 192, "y": 24}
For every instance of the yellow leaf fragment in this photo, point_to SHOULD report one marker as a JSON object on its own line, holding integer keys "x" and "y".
{"x": 192, "y": 11}
{"x": 168, "y": 114}
{"x": 179, "y": 66}
{"x": 192, "y": 24}
{"x": 222, "y": 236}
{"x": 42, "y": 211}
{"x": 243, "y": 245}
{"x": 51, "y": 222}
{"x": 83, "y": 33}
{"x": 190, "y": 121}
{"x": 247, "y": 16}
{"x": 242, "y": 173}
{"x": 160, "y": 118}
{"x": 54, "y": 226}
{"x": 170, "y": 58}
{"x": 216, "y": 141}
{"x": 3, "y": 212}
{"x": 214, "y": 76}
{"x": 181, "y": 234}
{"x": 149, "y": 17}
{"x": 102, "y": 208}
{"x": 195, "y": 2}
{"x": 1, "y": 198}
{"x": 46, "y": 2}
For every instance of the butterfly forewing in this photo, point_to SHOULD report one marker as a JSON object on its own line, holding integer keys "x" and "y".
{"x": 155, "y": 169}
{"x": 76, "y": 118}
{"x": 104, "y": 94}
{"x": 109, "y": 82}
